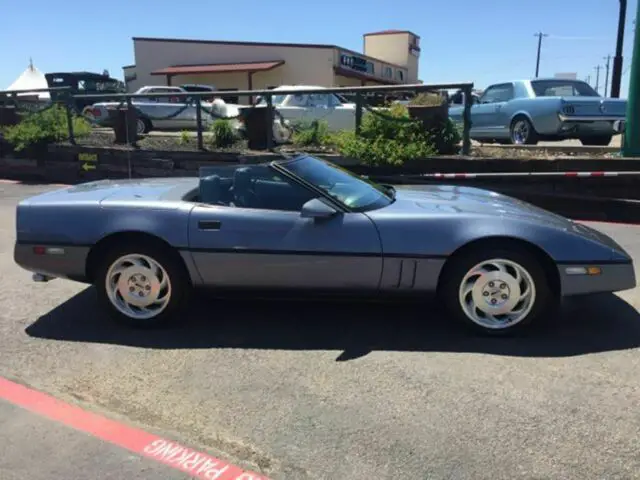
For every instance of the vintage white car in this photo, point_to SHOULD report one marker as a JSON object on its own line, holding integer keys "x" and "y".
{"x": 306, "y": 107}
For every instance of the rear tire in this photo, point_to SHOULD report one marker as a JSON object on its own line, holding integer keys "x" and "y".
{"x": 495, "y": 291}
{"x": 142, "y": 286}
{"x": 143, "y": 125}
{"x": 522, "y": 132}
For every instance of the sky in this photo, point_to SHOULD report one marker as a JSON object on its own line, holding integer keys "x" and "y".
{"x": 461, "y": 40}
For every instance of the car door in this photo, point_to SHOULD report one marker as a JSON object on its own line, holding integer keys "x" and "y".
{"x": 327, "y": 108}
{"x": 489, "y": 116}
{"x": 260, "y": 240}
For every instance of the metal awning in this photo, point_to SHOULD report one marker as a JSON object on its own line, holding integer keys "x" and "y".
{"x": 219, "y": 68}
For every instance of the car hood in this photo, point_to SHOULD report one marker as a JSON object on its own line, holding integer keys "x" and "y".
{"x": 448, "y": 200}
{"x": 433, "y": 201}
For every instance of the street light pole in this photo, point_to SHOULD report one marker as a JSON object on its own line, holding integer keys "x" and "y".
{"x": 539, "y": 35}
{"x": 616, "y": 76}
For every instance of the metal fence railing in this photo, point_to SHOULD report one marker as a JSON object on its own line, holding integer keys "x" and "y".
{"x": 193, "y": 101}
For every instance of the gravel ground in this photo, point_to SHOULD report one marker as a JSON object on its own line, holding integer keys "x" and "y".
{"x": 313, "y": 390}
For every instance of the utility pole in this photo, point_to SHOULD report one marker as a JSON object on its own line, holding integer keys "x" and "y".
{"x": 598, "y": 68}
{"x": 606, "y": 81}
{"x": 539, "y": 35}
{"x": 616, "y": 76}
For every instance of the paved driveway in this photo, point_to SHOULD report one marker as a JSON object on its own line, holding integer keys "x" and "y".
{"x": 344, "y": 390}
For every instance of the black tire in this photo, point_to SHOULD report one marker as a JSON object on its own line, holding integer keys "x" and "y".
{"x": 461, "y": 264}
{"x": 597, "y": 141}
{"x": 170, "y": 261}
{"x": 517, "y": 135}
{"x": 143, "y": 125}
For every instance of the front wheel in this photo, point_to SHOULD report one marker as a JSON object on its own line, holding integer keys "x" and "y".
{"x": 496, "y": 291}
{"x": 597, "y": 141}
{"x": 142, "y": 286}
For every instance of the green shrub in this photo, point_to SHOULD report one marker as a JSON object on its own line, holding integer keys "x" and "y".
{"x": 184, "y": 137}
{"x": 314, "y": 133}
{"x": 390, "y": 137}
{"x": 41, "y": 128}
{"x": 223, "y": 134}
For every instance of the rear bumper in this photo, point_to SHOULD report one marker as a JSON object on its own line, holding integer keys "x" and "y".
{"x": 59, "y": 261}
{"x": 614, "y": 277}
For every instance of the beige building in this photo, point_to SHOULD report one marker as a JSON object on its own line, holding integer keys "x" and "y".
{"x": 390, "y": 57}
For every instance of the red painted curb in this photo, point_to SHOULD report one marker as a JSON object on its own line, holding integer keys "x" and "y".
{"x": 192, "y": 462}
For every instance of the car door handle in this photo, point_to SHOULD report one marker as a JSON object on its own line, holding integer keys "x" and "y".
{"x": 209, "y": 225}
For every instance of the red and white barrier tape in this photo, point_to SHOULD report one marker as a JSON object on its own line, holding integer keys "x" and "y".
{"x": 528, "y": 174}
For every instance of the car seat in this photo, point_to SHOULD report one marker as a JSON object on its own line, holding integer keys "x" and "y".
{"x": 210, "y": 190}
{"x": 243, "y": 194}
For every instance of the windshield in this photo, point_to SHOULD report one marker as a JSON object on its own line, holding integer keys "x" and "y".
{"x": 353, "y": 191}
{"x": 562, "y": 88}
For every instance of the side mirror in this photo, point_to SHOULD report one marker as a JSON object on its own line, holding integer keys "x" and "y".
{"x": 316, "y": 208}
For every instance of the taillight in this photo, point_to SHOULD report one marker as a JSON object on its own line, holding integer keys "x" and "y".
{"x": 174, "y": 99}
{"x": 568, "y": 109}
{"x": 96, "y": 112}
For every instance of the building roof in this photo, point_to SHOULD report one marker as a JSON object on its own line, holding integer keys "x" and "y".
{"x": 265, "y": 44}
{"x": 390, "y": 32}
{"x": 218, "y": 68}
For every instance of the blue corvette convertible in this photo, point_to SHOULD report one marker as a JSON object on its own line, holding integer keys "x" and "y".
{"x": 304, "y": 224}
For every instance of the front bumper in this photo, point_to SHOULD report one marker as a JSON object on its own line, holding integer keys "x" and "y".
{"x": 613, "y": 277}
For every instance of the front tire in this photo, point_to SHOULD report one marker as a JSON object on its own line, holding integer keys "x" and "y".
{"x": 496, "y": 291}
{"x": 142, "y": 286}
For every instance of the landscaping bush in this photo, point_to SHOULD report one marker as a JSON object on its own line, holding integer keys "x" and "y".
{"x": 223, "y": 134}
{"x": 41, "y": 128}
{"x": 390, "y": 137}
{"x": 314, "y": 133}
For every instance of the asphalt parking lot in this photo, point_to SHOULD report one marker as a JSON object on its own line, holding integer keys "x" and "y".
{"x": 334, "y": 390}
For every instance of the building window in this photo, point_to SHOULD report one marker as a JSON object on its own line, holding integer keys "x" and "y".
{"x": 370, "y": 68}
{"x": 400, "y": 75}
{"x": 387, "y": 72}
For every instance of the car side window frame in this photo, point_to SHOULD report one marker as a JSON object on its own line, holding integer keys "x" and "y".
{"x": 495, "y": 87}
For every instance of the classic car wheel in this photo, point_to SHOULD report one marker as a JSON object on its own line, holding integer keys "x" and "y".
{"x": 522, "y": 132}
{"x": 143, "y": 126}
{"x": 597, "y": 141}
{"x": 142, "y": 286}
{"x": 496, "y": 291}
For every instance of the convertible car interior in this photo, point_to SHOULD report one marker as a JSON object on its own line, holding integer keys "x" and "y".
{"x": 252, "y": 186}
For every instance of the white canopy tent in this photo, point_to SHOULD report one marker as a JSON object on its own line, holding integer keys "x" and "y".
{"x": 31, "y": 79}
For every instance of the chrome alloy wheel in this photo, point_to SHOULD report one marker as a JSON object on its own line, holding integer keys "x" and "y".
{"x": 138, "y": 286}
{"x": 497, "y": 294}
{"x": 140, "y": 126}
{"x": 521, "y": 132}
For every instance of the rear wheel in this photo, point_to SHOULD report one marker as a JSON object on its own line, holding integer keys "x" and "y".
{"x": 597, "y": 141}
{"x": 522, "y": 132}
{"x": 496, "y": 291}
{"x": 143, "y": 125}
{"x": 142, "y": 286}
